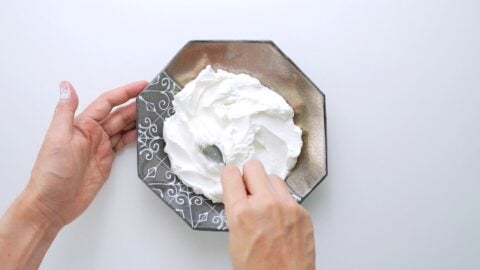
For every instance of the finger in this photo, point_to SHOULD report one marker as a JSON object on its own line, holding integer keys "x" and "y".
{"x": 279, "y": 185}
{"x": 104, "y": 104}
{"x": 256, "y": 178}
{"x": 130, "y": 136}
{"x": 233, "y": 186}
{"x": 120, "y": 119}
{"x": 126, "y": 138}
{"x": 115, "y": 139}
{"x": 61, "y": 127}
{"x": 131, "y": 126}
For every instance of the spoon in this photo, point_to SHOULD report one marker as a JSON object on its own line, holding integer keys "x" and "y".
{"x": 213, "y": 153}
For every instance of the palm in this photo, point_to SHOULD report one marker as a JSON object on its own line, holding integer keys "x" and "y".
{"x": 100, "y": 162}
{"x": 96, "y": 166}
{"x": 76, "y": 159}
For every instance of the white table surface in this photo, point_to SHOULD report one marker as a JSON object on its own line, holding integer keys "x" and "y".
{"x": 402, "y": 82}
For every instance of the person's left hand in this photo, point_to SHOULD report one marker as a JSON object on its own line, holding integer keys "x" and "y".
{"x": 77, "y": 154}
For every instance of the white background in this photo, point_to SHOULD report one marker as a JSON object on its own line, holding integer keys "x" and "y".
{"x": 402, "y": 83}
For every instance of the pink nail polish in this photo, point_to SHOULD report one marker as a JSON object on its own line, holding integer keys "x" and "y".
{"x": 64, "y": 91}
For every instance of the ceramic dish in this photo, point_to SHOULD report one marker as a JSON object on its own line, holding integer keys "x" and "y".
{"x": 260, "y": 59}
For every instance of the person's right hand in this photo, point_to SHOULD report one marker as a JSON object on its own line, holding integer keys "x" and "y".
{"x": 268, "y": 229}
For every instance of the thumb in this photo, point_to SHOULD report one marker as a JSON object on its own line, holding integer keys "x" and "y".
{"x": 61, "y": 127}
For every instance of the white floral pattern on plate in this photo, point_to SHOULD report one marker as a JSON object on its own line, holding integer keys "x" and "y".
{"x": 154, "y": 105}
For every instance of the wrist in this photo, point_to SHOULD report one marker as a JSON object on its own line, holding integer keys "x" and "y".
{"x": 26, "y": 233}
{"x": 33, "y": 210}
{"x": 28, "y": 217}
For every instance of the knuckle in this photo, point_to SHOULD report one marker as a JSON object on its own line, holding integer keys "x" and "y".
{"x": 292, "y": 206}
{"x": 54, "y": 149}
{"x": 271, "y": 203}
{"x": 103, "y": 101}
{"x": 241, "y": 212}
{"x": 294, "y": 211}
{"x": 55, "y": 139}
{"x": 303, "y": 215}
{"x": 104, "y": 96}
{"x": 126, "y": 118}
{"x": 85, "y": 124}
{"x": 63, "y": 107}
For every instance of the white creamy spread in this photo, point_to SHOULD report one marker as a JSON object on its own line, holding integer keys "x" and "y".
{"x": 240, "y": 116}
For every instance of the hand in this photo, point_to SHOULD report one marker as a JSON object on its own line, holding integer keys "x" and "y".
{"x": 73, "y": 163}
{"x": 77, "y": 154}
{"x": 268, "y": 229}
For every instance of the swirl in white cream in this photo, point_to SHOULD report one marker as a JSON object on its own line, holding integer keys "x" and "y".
{"x": 239, "y": 115}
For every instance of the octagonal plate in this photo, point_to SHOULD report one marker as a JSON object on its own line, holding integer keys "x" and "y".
{"x": 260, "y": 59}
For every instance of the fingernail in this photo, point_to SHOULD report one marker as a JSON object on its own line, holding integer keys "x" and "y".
{"x": 64, "y": 91}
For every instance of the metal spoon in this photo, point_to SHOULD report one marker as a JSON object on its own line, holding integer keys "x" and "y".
{"x": 213, "y": 153}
